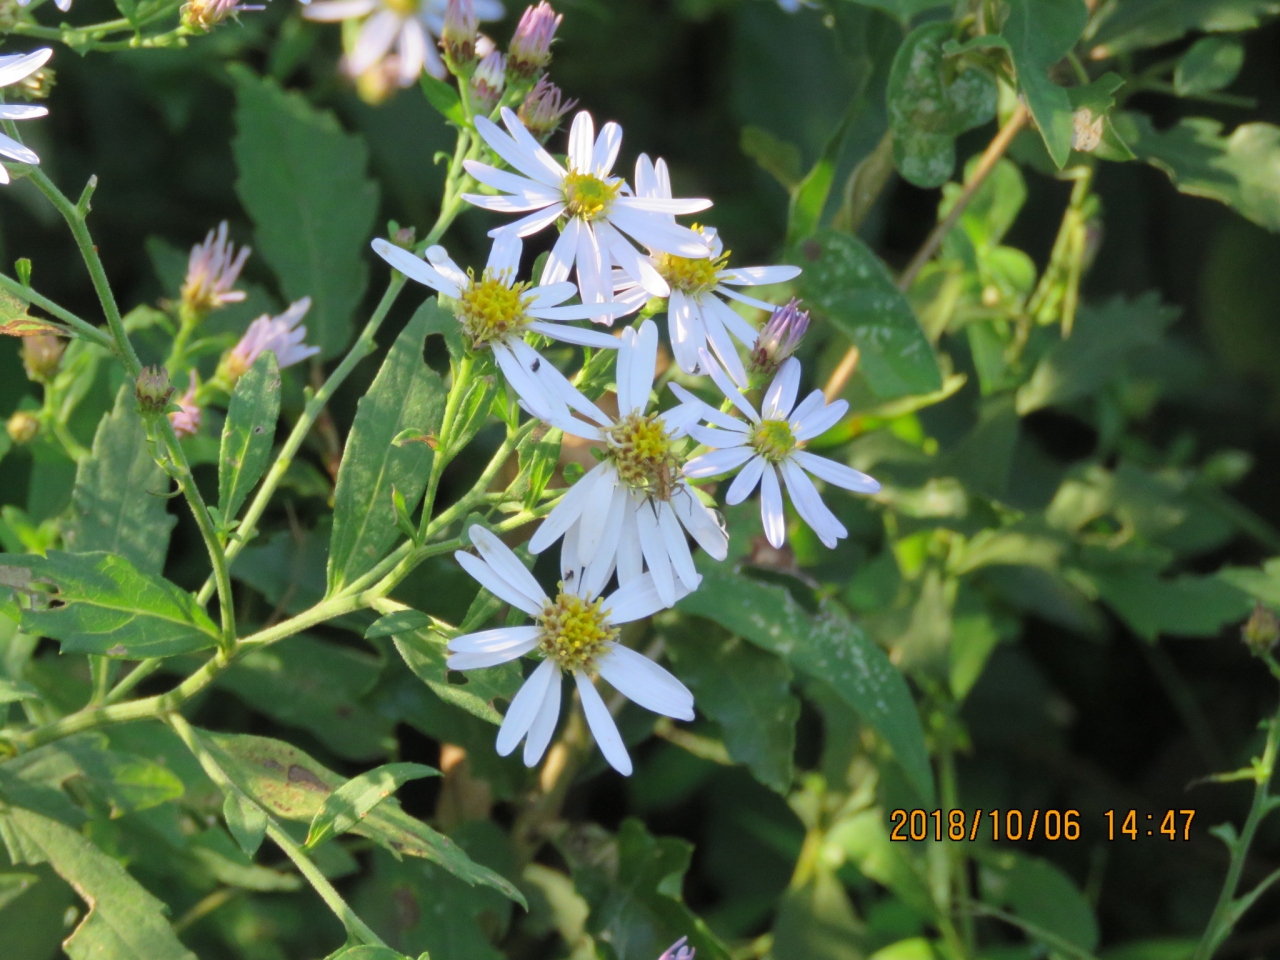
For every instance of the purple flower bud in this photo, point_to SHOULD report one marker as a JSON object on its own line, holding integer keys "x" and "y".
{"x": 487, "y": 82}
{"x": 679, "y": 951}
{"x": 204, "y": 15}
{"x": 458, "y": 35}
{"x": 282, "y": 335}
{"x": 212, "y": 270}
{"x": 543, "y": 109}
{"x": 779, "y": 338}
{"x": 186, "y": 421}
{"x": 530, "y": 49}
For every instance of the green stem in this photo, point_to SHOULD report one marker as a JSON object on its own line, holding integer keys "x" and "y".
{"x": 81, "y": 328}
{"x": 139, "y": 673}
{"x": 444, "y": 451}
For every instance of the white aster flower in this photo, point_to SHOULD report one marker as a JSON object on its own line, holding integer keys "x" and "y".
{"x": 576, "y": 632}
{"x": 496, "y": 312}
{"x": 15, "y": 68}
{"x": 697, "y": 315}
{"x": 282, "y": 335}
{"x": 633, "y": 508}
{"x": 407, "y": 26}
{"x": 597, "y": 207}
{"x": 769, "y": 445}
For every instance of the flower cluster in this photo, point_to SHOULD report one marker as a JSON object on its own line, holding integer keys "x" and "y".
{"x": 14, "y": 68}
{"x": 631, "y": 519}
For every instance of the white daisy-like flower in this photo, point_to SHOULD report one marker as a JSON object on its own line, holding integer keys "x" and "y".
{"x": 283, "y": 335}
{"x": 769, "y": 445}
{"x": 63, "y": 5}
{"x": 697, "y": 314}
{"x": 598, "y": 208}
{"x": 495, "y": 312}
{"x": 407, "y": 26}
{"x": 576, "y": 632}
{"x": 633, "y": 508}
{"x": 15, "y": 68}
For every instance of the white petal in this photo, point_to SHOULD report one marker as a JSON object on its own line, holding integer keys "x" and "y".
{"x": 439, "y": 258}
{"x": 506, "y": 564}
{"x": 507, "y": 203}
{"x": 759, "y": 276}
{"x": 622, "y": 371}
{"x": 524, "y": 707}
{"x": 560, "y": 260}
{"x": 630, "y": 562}
{"x": 550, "y": 294}
{"x": 595, "y": 284}
{"x": 665, "y": 205}
{"x": 581, "y": 311}
{"x": 645, "y": 683}
{"x": 479, "y": 661}
{"x": 655, "y": 552}
{"x": 605, "y": 151}
{"x": 526, "y": 384}
{"x": 509, "y": 182}
{"x": 728, "y": 389}
{"x": 508, "y": 639}
{"x": 22, "y": 111}
{"x": 495, "y": 584}
{"x": 745, "y": 481}
{"x": 415, "y": 268}
{"x": 412, "y": 47}
{"x": 653, "y": 231}
{"x": 724, "y": 348}
{"x": 15, "y": 151}
{"x": 809, "y": 505}
{"x": 781, "y": 395}
{"x": 644, "y": 365}
{"x": 601, "y": 723}
{"x": 771, "y": 513}
{"x": 756, "y": 302}
{"x": 331, "y": 11}
{"x": 684, "y": 326}
{"x": 527, "y": 226}
{"x": 595, "y": 511}
{"x": 581, "y": 135}
{"x": 733, "y": 321}
{"x": 566, "y": 512}
{"x": 601, "y": 567}
{"x": 703, "y": 525}
{"x": 810, "y": 405}
{"x": 820, "y": 422}
{"x": 555, "y": 385}
{"x": 504, "y": 255}
{"x": 646, "y": 179}
{"x": 525, "y": 141}
{"x": 717, "y": 462}
{"x": 544, "y": 724}
{"x": 376, "y": 38}
{"x": 19, "y": 66}
{"x": 635, "y": 599}
{"x": 536, "y": 165}
{"x": 677, "y": 547}
{"x": 709, "y": 413}
{"x": 567, "y": 334}
{"x": 836, "y": 473}
{"x": 636, "y": 266}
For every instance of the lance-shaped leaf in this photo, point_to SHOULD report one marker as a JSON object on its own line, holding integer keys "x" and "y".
{"x": 1039, "y": 33}
{"x": 247, "y": 434}
{"x": 354, "y": 800}
{"x": 406, "y": 394}
{"x": 425, "y": 653}
{"x": 845, "y": 282}
{"x": 103, "y": 604}
{"x": 119, "y": 502}
{"x": 290, "y": 784}
{"x": 828, "y": 647}
{"x": 124, "y": 921}
{"x": 302, "y": 180}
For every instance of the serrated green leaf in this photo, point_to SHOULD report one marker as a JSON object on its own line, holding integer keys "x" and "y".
{"x": 932, "y": 99}
{"x": 1212, "y": 63}
{"x": 106, "y": 606}
{"x": 353, "y": 801}
{"x": 748, "y": 693}
{"x": 301, "y": 179}
{"x": 124, "y": 921}
{"x": 828, "y": 647}
{"x": 291, "y": 784}
{"x": 846, "y": 283}
{"x": 119, "y": 503}
{"x": 1039, "y": 33}
{"x": 247, "y": 434}
{"x": 405, "y": 394}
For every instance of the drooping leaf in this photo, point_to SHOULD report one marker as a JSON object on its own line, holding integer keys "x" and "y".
{"x": 1040, "y": 893}
{"x": 424, "y": 651}
{"x": 1240, "y": 170}
{"x": 405, "y": 394}
{"x": 247, "y": 434}
{"x": 291, "y": 784}
{"x": 124, "y": 921}
{"x": 119, "y": 503}
{"x": 1039, "y": 33}
{"x": 444, "y": 98}
{"x": 246, "y": 821}
{"x": 845, "y": 282}
{"x": 932, "y": 99}
{"x": 1149, "y": 23}
{"x": 748, "y": 693}
{"x": 1212, "y": 63}
{"x": 302, "y": 181}
{"x": 828, "y": 647}
{"x": 353, "y": 801}
{"x": 108, "y": 607}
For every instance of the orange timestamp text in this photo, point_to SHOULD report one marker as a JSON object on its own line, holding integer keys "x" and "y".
{"x": 1051, "y": 824}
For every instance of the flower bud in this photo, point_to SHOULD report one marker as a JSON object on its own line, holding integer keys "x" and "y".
{"x": 212, "y": 271}
{"x": 487, "y": 82}
{"x": 201, "y": 16}
{"x": 543, "y": 109}
{"x": 1261, "y": 631}
{"x": 530, "y": 49}
{"x": 153, "y": 391}
{"x": 779, "y": 338}
{"x": 458, "y": 35}
{"x": 22, "y": 427}
{"x": 679, "y": 951}
{"x": 186, "y": 419}
{"x": 40, "y": 356}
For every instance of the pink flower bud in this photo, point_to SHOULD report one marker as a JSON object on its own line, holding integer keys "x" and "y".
{"x": 543, "y": 109}
{"x": 487, "y": 82}
{"x": 779, "y": 338}
{"x": 282, "y": 335}
{"x": 530, "y": 49}
{"x": 458, "y": 35}
{"x": 186, "y": 421}
{"x": 212, "y": 271}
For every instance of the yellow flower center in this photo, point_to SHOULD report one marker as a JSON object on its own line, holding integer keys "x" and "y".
{"x": 587, "y": 196}
{"x": 691, "y": 276}
{"x": 773, "y": 440}
{"x": 405, "y": 8}
{"x": 641, "y": 449}
{"x": 575, "y": 631}
{"x": 491, "y": 311}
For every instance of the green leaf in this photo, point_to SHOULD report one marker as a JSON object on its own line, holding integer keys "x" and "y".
{"x": 1040, "y": 893}
{"x": 778, "y": 159}
{"x": 301, "y": 179}
{"x": 290, "y": 784}
{"x": 405, "y": 394}
{"x": 1241, "y": 170}
{"x": 353, "y": 801}
{"x": 248, "y": 433}
{"x": 124, "y": 921}
{"x": 444, "y": 98}
{"x": 748, "y": 693}
{"x": 366, "y": 952}
{"x": 424, "y": 652}
{"x": 1186, "y": 606}
{"x": 1039, "y": 33}
{"x": 903, "y": 10}
{"x": 1212, "y": 63}
{"x": 1149, "y": 23}
{"x": 827, "y": 647}
{"x": 119, "y": 503}
{"x": 932, "y": 99}
{"x": 863, "y": 839}
{"x": 846, "y": 282}
{"x": 106, "y": 606}
{"x": 317, "y": 686}
{"x": 538, "y": 457}
{"x": 245, "y": 819}
{"x": 12, "y": 691}
{"x": 816, "y": 921}
{"x": 632, "y": 884}
{"x": 14, "y": 885}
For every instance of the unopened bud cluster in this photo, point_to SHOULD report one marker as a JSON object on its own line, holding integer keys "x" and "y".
{"x": 487, "y": 82}
{"x": 458, "y": 35}
{"x": 543, "y": 108}
{"x": 530, "y": 49}
{"x": 779, "y": 338}
{"x": 153, "y": 390}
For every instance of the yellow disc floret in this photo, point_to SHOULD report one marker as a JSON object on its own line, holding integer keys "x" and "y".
{"x": 773, "y": 440}
{"x": 691, "y": 276}
{"x": 587, "y": 196}
{"x": 491, "y": 311}
{"x": 641, "y": 449}
{"x": 575, "y": 631}
{"x": 406, "y": 8}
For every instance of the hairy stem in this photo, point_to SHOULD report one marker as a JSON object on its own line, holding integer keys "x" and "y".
{"x": 79, "y": 327}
